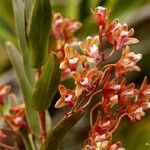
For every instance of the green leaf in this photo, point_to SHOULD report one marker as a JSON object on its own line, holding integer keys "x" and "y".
{"x": 28, "y": 8}
{"x": 31, "y": 114}
{"x": 59, "y": 131}
{"x": 39, "y": 32}
{"x": 47, "y": 84}
{"x": 19, "y": 14}
{"x": 25, "y": 137}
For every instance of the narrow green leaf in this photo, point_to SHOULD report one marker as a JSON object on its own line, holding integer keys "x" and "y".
{"x": 19, "y": 14}
{"x": 28, "y": 9}
{"x": 47, "y": 84}
{"x": 25, "y": 138}
{"x": 59, "y": 131}
{"x": 16, "y": 60}
{"x": 39, "y": 32}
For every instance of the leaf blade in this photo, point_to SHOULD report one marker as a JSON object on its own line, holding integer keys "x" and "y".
{"x": 47, "y": 84}
{"x": 16, "y": 60}
{"x": 58, "y": 132}
{"x": 19, "y": 15}
{"x": 39, "y": 32}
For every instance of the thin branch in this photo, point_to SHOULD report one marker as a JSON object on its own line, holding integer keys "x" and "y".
{"x": 118, "y": 122}
{"x": 110, "y": 55}
{"x": 90, "y": 99}
{"x": 91, "y": 112}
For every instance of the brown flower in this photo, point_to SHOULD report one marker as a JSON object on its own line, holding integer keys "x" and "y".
{"x": 91, "y": 48}
{"x": 144, "y": 91}
{"x": 127, "y": 62}
{"x": 16, "y": 118}
{"x": 4, "y": 90}
{"x": 135, "y": 112}
{"x": 119, "y": 94}
{"x": 119, "y": 35}
{"x": 101, "y": 14}
{"x": 2, "y": 135}
{"x": 72, "y": 58}
{"x": 116, "y": 146}
{"x": 85, "y": 80}
{"x": 100, "y": 135}
{"x": 67, "y": 97}
{"x": 63, "y": 28}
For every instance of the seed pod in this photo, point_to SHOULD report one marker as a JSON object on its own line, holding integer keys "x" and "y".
{"x": 47, "y": 84}
{"x": 39, "y": 32}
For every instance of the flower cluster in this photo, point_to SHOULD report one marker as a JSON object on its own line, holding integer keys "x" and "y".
{"x": 14, "y": 119}
{"x": 62, "y": 31}
{"x": 63, "y": 28}
{"x": 100, "y": 135}
{"x": 118, "y": 98}
{"x": 119, "y": 35}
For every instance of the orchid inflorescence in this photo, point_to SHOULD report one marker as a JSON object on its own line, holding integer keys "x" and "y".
{"x": 118, "y": 98}
{"x": 96, "y": 81}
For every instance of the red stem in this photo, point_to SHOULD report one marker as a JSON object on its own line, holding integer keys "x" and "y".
{"x": 65, "y": 111}
{"x": 42, "y": 114}
{"x": 91, "y": 112}
{"x": 118, "y": 122}
{"x": 43, "y": 126}
{"x": 90, "y": 99}
{"x": 110, "y": 55}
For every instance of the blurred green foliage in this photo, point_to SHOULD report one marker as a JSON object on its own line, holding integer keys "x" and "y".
{"x": 134, "y": 12}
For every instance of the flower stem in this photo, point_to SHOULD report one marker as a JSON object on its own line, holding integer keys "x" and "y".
{"x": 90, "y": 99}
{"x": 43, "y": 126}
{"x": 42, "y": 114}
{"x": 91, "y": 112}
